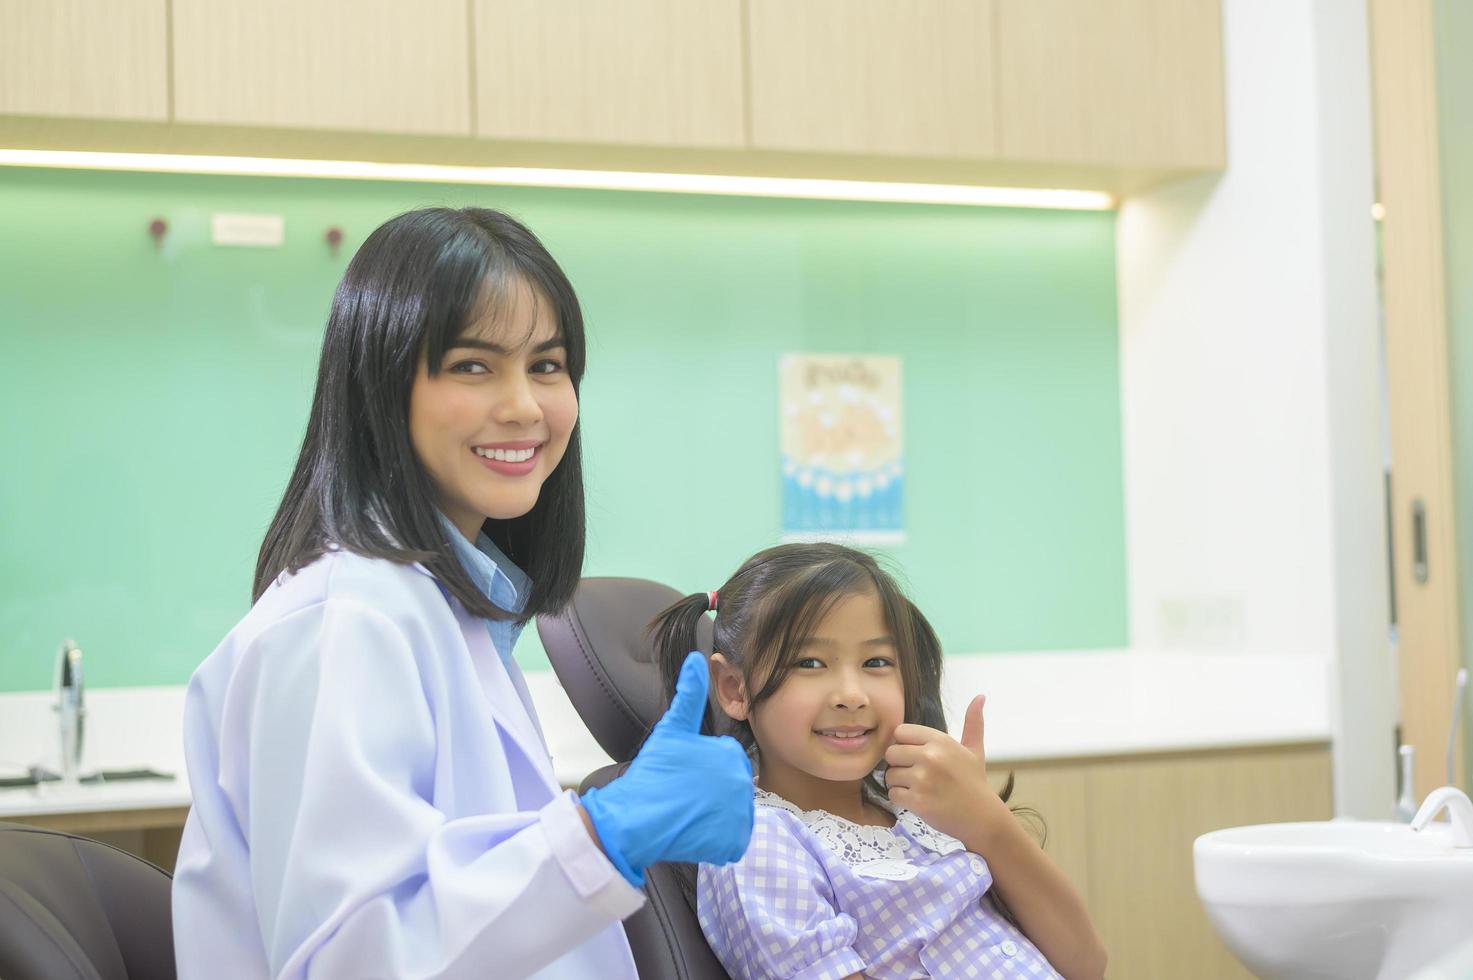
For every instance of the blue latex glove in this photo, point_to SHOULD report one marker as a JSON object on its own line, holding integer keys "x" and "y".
{"x": 685, "y": 797}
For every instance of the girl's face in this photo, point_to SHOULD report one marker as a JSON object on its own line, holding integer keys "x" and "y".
{"x": 494, "y": 423}
{"x": 837, "y": 710}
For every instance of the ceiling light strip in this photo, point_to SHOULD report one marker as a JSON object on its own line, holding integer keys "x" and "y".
{"x": 785, "y": 187}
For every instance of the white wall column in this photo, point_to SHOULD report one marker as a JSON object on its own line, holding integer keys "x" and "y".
{"x": 1249, "y": 384}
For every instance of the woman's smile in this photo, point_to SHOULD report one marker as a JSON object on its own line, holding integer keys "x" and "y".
{"x": 509, "y": 458}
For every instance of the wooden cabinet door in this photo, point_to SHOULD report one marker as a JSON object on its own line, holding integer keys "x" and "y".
{"x": 369, "y": 65}
{"x": 1122, "y": 82}
{"x": 1144, "y": 815}
{"x": 80, "y": 58}
{"x": 1054, "y": 801}
{"x": 1420, "y": 388}
{"x": 650, "y": 72}
{"x": 879, "y": 77}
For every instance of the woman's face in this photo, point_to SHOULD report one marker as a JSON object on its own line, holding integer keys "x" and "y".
{"x": 492, "y": 426}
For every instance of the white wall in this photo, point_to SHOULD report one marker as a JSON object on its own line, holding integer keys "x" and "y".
{"x": 1249, "y": 384}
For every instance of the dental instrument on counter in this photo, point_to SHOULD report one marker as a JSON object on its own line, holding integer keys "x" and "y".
{"x": 34, "y": 776}
{"x": 40, "y": 775}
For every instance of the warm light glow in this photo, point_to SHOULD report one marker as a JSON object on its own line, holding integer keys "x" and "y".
{"x": 1378, "y": 211}
{"x": 612, "y": 180}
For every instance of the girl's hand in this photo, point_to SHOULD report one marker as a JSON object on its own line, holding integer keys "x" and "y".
{"x": 944, "y": 781}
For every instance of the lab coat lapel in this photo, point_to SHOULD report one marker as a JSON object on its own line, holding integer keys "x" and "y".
{"x": 512, "y": 715}
{"x": 515, "y": 673}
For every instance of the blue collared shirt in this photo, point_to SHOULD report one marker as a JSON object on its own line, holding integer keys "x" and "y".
{"x": 499, "y": 579}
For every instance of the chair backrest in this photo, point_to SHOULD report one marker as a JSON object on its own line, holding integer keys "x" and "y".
{"x": 665, "y": 935}
{"x": 602, "y": 655}
{"x": 77, "y": 909}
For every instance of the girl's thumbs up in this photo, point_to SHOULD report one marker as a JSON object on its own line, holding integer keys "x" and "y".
{"x": 972, "y": 727}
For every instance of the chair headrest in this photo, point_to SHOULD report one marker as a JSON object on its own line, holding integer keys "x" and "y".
{"x": 602, "y": 654}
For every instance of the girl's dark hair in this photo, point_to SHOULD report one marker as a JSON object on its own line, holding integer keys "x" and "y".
{"x": 773, "y": 603}
{"x": 413, "y": 287}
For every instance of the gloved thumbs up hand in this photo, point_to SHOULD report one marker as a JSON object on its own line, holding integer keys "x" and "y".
{"x": 688, "y": 707}
{"x": 685, "y": 797}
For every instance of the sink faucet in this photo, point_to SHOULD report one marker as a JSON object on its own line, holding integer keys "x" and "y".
{"x": 1459, "y": 809}
{"x": 71, "y": 710}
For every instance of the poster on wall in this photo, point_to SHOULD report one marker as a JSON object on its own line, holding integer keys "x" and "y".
{"x": 840, "y": 439}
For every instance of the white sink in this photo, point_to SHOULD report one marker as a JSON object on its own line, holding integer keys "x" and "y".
{"x": 1340, "y": 899}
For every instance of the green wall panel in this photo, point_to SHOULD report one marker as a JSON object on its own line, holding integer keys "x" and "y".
{"x": 152, "y": 399}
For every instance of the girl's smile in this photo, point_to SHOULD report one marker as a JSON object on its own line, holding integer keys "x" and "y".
{"x": 845, "y": 738}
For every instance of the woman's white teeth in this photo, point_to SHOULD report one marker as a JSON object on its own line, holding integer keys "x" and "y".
{"x": 507, "y": 455}
{"x": 836, "y": 734}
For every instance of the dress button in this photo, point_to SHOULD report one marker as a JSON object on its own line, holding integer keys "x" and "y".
{"x": 1009, "y": 948}
{"x": 976, "y": 864}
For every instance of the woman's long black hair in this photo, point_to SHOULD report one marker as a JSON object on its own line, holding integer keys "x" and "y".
{"x": 413, "y": 287}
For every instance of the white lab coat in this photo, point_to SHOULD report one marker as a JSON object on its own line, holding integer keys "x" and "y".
{"x": 372, "y": 799}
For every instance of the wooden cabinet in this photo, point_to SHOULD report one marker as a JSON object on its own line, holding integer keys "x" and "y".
{"x": 372, "y": 65}
{"x": 647, "y": 72}
{"x": 1412, "y": 148}
{"x": 1054, "y": 806}
{"x": 84, "y": 59}
{"x": 1108, "y": 95}
{"x": 886, "y": 77}
{"x": 1122, "y": 829}
{"x": 152, "y": 834}
{"x": 1111, "y": 82}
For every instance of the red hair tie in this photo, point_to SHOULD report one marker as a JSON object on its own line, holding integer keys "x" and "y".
{"x": 711, "y": 601}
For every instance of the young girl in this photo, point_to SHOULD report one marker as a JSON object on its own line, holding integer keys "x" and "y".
{"x": 879, "y": 846}
{"x": 371, "y": 793}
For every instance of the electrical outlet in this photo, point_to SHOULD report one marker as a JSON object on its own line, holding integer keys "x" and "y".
{"x": 1202, "y": 622}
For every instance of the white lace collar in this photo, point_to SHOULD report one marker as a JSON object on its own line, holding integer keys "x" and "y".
{"x": 858, "y": 845}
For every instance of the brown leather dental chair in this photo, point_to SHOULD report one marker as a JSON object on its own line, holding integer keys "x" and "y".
{"x": 601, "y": 653}
{"x": 77, "y": 909}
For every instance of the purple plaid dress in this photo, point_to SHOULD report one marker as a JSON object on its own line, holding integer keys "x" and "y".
{"x": 819, "y": 898}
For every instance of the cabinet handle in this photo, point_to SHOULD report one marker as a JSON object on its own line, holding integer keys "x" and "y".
{"x": 1419, "y": 541}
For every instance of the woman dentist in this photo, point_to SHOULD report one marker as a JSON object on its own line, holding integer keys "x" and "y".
{"x": 372, "y": 795}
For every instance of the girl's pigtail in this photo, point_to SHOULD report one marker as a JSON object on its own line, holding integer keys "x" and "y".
{"x": 673, "y": 635}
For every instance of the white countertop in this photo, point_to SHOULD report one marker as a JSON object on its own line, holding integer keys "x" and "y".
{"x": 1039, "y": 706}
{"x": 1079, "y": 704}
{"x": 55, "y": 798}
{"x": 126, "y": 728}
